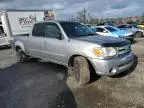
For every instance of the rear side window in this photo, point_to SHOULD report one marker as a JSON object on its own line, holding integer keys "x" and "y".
{"x": 130, "y": 26}
{"x": 39, "y": 30}
{"x": 51, "y": 30}
{"x": 125, "y": 26}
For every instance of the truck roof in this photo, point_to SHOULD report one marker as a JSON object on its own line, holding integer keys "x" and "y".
{"x": 58, "y": 21}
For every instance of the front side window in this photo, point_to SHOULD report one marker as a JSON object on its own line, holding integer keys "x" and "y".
{"x": 123, "y": 26}
{"x": 111, "y": 29}
{"x": 74, "y": 29}
{"x": 127, "y": 26}
{"x": 100, "y": 29}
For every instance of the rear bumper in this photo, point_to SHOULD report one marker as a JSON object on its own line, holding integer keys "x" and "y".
{"x": 113, "y": 66}
{"x": 5, "y": 44}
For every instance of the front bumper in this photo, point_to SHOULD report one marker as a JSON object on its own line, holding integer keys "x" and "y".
{"x": 113, "y": 66}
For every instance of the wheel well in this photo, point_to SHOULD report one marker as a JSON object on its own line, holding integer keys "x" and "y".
{"x": 17, "y": 48}
{"x": 71, "y": 60}
{"x": 92, "y": 70}
{"x": 138, "y": 32}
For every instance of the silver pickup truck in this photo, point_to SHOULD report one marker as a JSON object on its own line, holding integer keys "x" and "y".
{"x": 73, "y": 45}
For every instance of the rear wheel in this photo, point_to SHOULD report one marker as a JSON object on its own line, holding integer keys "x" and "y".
{"x": 21, "y": 56}
{"x": 81, "y": 70}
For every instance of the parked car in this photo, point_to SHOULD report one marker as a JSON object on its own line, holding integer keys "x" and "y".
{"x": 141, "y": 25}
{"x": 73, "y": 44}
{"x": 106, "y": 24}
{"x": 113, "y": 32}
{"x": 139, "y": 32}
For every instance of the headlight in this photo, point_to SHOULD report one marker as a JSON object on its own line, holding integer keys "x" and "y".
{"x": 104, "y": 52}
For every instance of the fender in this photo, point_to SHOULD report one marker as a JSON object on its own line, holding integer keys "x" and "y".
{"x": 70, "y": 58}
{"x": 20, "y": 44}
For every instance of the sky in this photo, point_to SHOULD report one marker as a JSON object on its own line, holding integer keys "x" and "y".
{"x": 65, "y": 9}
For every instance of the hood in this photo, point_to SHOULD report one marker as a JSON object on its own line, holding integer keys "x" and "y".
{"x": 105, "y": 41}
{"x": 122, "y": 33}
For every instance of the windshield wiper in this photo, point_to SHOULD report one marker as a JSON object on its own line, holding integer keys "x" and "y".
{"x": 90, "y": 34}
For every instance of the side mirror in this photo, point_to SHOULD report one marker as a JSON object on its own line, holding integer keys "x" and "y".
{"x": 59, "y": 35}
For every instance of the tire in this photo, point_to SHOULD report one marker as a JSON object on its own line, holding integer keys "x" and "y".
{"x": 21, "y": 56}
{"x": 138, "y": 34}
{"x": 131, "y": 40}
{"x": 81, "y": 70}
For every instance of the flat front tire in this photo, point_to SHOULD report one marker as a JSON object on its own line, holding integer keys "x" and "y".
{"x": 81, "y": 70}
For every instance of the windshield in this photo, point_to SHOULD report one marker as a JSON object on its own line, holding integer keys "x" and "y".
{"x": 74, "y": 29}
{"x": 111, "y": 29}
{"x": 135, "y": 26}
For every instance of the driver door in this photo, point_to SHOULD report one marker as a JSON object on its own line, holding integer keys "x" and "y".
{"x": 53, "y": 45}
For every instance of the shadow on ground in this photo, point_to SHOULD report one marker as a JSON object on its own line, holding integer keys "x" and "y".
{"x": 35, "y": 85}
{"x": 4, "y": 47}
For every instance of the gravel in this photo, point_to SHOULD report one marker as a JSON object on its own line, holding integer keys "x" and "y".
{"x": 123, "y": 91}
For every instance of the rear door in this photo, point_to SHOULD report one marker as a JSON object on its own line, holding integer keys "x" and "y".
{"x": 36, "y": 39}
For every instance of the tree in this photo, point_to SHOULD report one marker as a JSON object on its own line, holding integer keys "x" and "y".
{"x": 83, "y": 16}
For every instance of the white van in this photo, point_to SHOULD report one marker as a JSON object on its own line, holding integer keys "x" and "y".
{"x": 19, "y": 22}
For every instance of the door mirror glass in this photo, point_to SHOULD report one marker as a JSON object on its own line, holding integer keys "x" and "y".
{"x": 59, "y": 35}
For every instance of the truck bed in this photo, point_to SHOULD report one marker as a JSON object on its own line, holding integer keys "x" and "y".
{"x": 23, "y": 38}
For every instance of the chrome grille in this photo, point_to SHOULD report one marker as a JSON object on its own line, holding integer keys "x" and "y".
{"x": 124, "y": 49}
